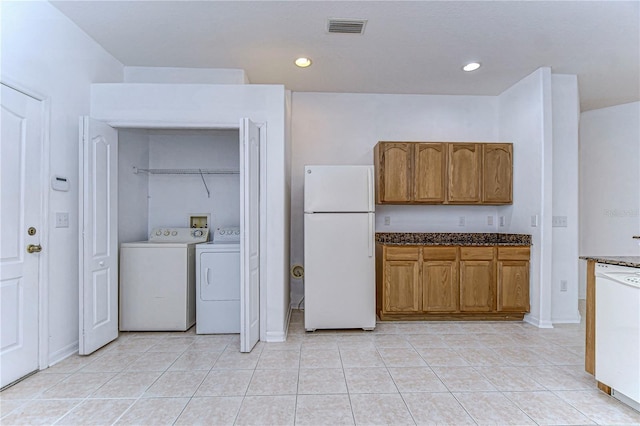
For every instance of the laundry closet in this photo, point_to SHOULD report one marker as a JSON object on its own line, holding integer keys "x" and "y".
{"x": 179, "y": 155}
{"x": 186, "y": 184}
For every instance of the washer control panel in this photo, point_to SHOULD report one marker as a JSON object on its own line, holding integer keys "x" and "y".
{"x": 179, "y": 235}
{"x": 230, "y": 234}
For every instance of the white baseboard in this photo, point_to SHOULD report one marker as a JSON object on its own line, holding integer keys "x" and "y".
{"x": 276, "y": 336}
{"x": 530, "y": 319}
{"x": 575, "y": 319}
{"x": 280, "y": 336}
{"x": 64, "y": 353}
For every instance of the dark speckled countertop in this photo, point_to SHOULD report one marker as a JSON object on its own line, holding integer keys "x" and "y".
{"x": 631, "y": 261}
{"x": 452, "y": 239}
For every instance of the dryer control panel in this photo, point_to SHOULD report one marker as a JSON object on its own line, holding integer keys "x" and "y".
{"x": 179, "y": 235}
{"x": 228, "y": 235}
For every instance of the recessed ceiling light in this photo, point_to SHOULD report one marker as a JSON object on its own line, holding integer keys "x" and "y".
{"x": 303, "y": 62}
{"x": 471, "y": 66}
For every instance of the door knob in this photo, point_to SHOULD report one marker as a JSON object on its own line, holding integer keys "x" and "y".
{"x": 34, "y": 248}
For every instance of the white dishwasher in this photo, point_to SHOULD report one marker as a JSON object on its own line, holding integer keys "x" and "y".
{"x": 618, "y": 331}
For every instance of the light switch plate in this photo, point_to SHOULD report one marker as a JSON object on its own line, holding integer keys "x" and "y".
{"x": 62, "y": 220}
{"x": 534, "y": 220}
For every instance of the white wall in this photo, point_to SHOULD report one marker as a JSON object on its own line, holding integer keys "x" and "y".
{"x": 609, "y": 183}
{"x": 173, "y": 198}
{"x": 133, "y": 189}
{"x": 222, "y": 106}
{"x": 44, "y": 52}
{"x": 566, "y": 114}
{"x": 333, "y": 128}
{"x": 525, "y": 120}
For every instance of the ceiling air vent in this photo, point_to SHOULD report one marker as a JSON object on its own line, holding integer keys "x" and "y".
{"x": 346, "y": 26}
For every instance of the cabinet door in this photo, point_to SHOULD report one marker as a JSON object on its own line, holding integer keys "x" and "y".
{"x": 393, "y": 172}
{"x": 429, "y": 172}
{"x": 401, "y": 287}
{"x": 513, "y": 286}
{"x": 477, "y": 279}
{"x": 497, "y": 173}
{"x": 464, "y": 173}
{"x": 440, "y": 279}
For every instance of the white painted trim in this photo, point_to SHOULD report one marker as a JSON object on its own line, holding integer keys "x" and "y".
{"x": 530, "y": 319}
{"x": 43, "y": 264}
{"x": 125, "y": 124}
{"x": 43, "y": 284}
{"x": 263, "y": 230}
{"x": 275, "y": 336}
{"x": 286, "y": 323}
{"x": 577, "y": 319}
{"x": 64, "y": 353}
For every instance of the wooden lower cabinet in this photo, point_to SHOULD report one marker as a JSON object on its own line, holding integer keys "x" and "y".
{"x": 513, "y": 279}
{"x": 401, "y": 287}
{"x": 452, "y": 282}
{"x": 440, "y": 279}
{"x": 477, "y": 282}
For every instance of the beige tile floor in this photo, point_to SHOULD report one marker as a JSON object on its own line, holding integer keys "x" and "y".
{"x": 504, "y": 373}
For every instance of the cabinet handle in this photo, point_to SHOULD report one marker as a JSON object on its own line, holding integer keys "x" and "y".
{"x": 207, "y": 276}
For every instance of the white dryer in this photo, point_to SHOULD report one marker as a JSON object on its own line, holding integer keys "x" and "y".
{"x": 218, "y": 283}
{"x": 157, "y": 280}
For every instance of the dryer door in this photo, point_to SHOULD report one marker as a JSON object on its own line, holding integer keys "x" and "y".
{"x": 220, "y": 276}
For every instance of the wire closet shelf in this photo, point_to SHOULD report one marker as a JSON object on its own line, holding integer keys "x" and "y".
{"x": 200, "y": 172}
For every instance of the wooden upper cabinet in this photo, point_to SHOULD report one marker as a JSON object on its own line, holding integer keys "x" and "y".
{"x": 393, "y": 162}
{"x": 464, "y": 173}
{"x": 429, "y": 172}
{"x": 443, "y": 173}
{"x": 497, "y": 173}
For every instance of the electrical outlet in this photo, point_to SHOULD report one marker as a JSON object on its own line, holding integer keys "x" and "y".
{"x": 534, "y": 220}
{"x": 563, "y": 285}
{"x": 461, "y": 221}
{"x": 559, "y": 221}
{"x": 501, "y": 221}
{"x": 387, "y": 220}
{"x": 489, "y": 220}
{"x": 62, "y": 220}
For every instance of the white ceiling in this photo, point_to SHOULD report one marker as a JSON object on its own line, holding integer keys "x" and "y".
{"x": 414, "y": 47}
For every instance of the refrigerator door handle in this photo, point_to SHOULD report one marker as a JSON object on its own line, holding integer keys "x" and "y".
{"x": 370, "y": 234}
{"x": 370, "y": 188}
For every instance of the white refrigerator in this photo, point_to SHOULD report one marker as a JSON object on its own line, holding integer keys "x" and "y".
{"x": 339, "y": 247}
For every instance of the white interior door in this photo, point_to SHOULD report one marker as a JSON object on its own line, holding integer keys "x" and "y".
{"x": 21, "y": 209}
{"x": 250, "y": 231}
{"x": 98, "y": 235}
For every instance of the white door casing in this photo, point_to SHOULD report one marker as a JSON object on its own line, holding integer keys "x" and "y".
{"x": 21, "y": 208}
{"x": 250, "y": 235}
{"x": 98, "y": 193}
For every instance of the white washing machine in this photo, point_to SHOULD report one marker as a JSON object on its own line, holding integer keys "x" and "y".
{"x": 157, "y": 280}
{"x": 218, "y": 283}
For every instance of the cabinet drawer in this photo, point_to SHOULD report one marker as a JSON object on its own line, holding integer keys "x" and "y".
{"x": 513, "y": 253}
{"x": 402, "y": 253}
{"x": 476, "y": 253}
{"x": 439, "y": 253}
